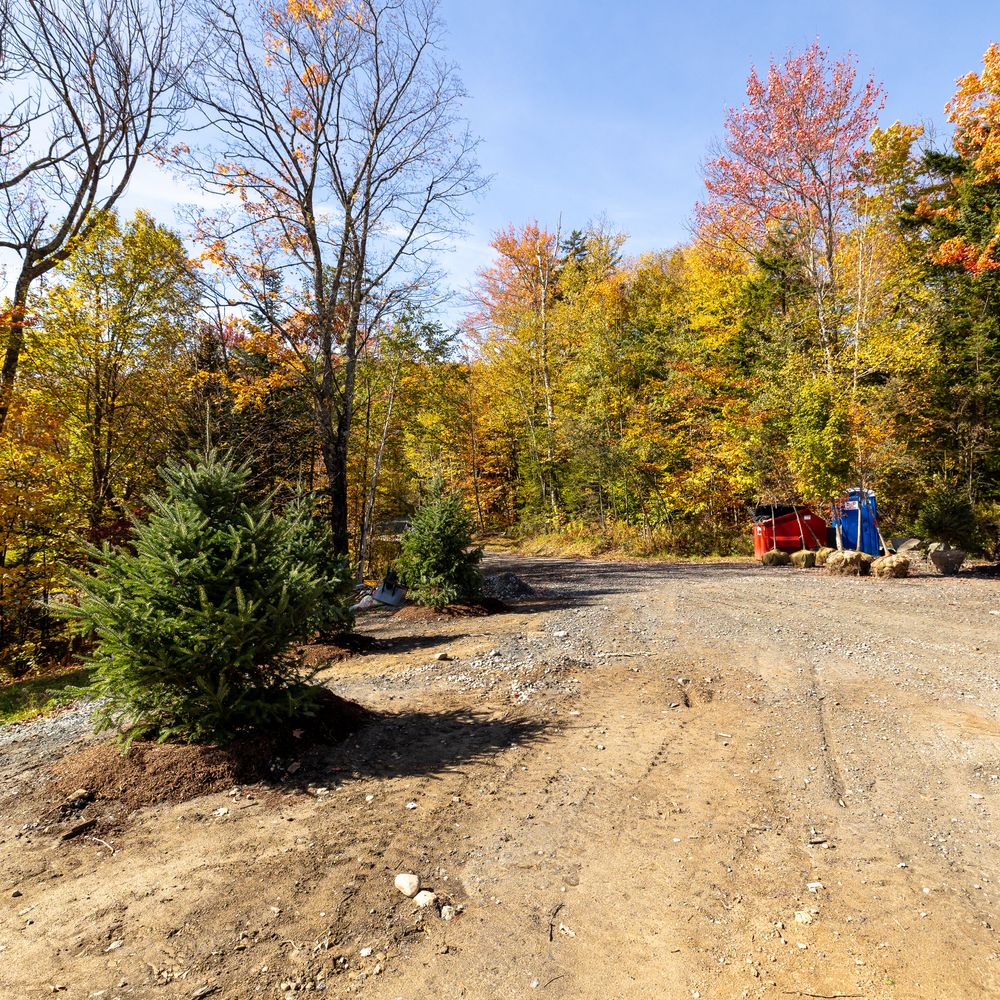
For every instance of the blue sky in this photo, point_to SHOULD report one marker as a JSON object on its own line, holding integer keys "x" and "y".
{"x": 590, "y": 109}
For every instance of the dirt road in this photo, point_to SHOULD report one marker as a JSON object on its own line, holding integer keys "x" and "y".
{"x": 710, "y": 781}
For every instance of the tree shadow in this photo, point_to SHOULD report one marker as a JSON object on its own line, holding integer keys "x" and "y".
{"x": 563, "y": 582}
{"x": 327, "y": 653}
{"x": 408, "y": 744}
{"x": 409, "y": 643}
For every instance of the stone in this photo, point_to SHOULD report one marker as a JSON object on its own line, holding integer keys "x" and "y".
{"x": 908, "y": 545}
{"x": 946, "y": 560}
{"x": 79, "y": 829}
{"x": 365, "y": 952}
{"x": 506, "y": 587}
{"x": 849, "y": 563}
{"x": 804, "y": 559}
{"x": 775, "y": 558}
{"x": 891, "y": 567}
{"x": 448, "y": 912}
{"x": 408, "y": 884}
{"x": 442, "y": 657}
{"x": 425, "y": 898}
{"x": 803, "y": 917}
{"x": 822, "y": 554}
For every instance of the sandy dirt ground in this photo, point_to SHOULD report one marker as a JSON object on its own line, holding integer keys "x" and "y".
{"x": 677, "y": 781}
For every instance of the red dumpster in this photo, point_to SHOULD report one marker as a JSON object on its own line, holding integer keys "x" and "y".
{"x": 787, "y": 529}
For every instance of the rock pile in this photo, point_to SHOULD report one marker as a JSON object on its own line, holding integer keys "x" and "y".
{"x": 507, "y": 587}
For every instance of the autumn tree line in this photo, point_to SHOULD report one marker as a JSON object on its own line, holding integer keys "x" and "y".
{"x": 831, "y": 322}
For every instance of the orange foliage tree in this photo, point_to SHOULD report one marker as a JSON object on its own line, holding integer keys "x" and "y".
{"x": 344, "y": 159}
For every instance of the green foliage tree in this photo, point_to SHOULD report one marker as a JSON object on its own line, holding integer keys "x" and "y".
{"x": 947, "y": 515}
{"x": 438, "y": 563}
{"x": 106, "y": 358}
{"x": 194, "y": 621}
{"x": 310, "y": 543}
{"x": 820, "y": 440}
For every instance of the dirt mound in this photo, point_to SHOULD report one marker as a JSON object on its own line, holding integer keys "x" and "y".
{"x": 507, "y": 587}
{"x": 152, "y": 773}
{"x": 480, "y": 609}
{"x": 334, "y": 649}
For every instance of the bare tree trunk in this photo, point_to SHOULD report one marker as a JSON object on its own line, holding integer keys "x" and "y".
{"x": 369, "y": 511}
{"x": 15, "y": 340}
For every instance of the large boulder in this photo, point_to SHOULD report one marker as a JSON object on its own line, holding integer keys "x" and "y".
{"x": 946, "y": 560}
{"x": 849, "y": 563}
{"x": 823, "y": 554}
{"x": 775, "y": 558}
{"x": 891, "y": 567}
{"x": 804, "y": 559}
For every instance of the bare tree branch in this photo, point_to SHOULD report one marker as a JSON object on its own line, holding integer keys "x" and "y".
{"x": 339, "y": 129}
{"x": 86, "y": 90}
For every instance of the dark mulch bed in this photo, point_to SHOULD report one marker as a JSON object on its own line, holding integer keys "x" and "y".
{"x": 152, "y": 773}
{"x": 480, "y": 609}
{"x": 337, "y": 648}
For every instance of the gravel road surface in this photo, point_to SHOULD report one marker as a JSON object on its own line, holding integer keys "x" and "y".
{"x": 681, "y": 781}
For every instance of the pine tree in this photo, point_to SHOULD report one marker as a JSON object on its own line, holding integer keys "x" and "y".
{"x": 194, "y": 622}
{"x": 437, "y": 563}
{"x": 310, "y": 542}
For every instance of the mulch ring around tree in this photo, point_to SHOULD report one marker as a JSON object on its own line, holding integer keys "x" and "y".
{"x": 98, "y": 787}
{"x": 325, "y": 650}
{"x": 479, "y": 609}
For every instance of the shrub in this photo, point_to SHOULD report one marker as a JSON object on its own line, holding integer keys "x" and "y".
{"x": 437, "y": 563}
{"x": 947, "y": 515}
{"x": 310, "y": 541}
{"x": 194, "y": 622}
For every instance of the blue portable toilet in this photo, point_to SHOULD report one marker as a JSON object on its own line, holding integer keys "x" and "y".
{"x": 845, "y": 514}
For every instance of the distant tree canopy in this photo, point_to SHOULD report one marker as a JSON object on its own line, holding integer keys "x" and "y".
{"x": 833, "y": 322}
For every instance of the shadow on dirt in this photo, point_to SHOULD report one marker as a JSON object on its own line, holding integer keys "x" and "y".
{"x": 345, "y": 647}
{"x": 100, "y": 787}
{"x": 407, "y": 744}
{"x": 566, "y": 582}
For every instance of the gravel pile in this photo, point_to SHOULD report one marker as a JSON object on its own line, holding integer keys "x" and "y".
{"x": 507, "y": 587}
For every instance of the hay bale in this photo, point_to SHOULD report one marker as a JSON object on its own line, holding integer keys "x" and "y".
{"x": 849, "y": 563}
{"x": 822, "y": 554}
{"x": 775, "y": 558}
{"x": 891, "y": 567}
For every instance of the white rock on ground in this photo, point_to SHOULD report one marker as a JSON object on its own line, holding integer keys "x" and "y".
{"x": 425, "y": 898}
{"x": 408, "y": 884}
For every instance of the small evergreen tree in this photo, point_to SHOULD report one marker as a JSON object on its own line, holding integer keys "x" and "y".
{"x": 947, "y": 515}
{"x": 310, "y": 541}
{"x": 437, "y": 562}
{"x": 193, "y": 624}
